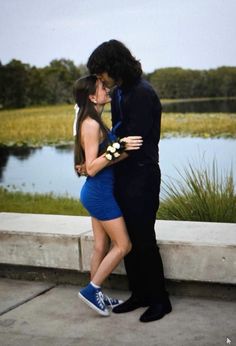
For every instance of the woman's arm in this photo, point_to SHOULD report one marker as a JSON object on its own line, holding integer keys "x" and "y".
{"x": 90, "y": 133}
{"x": 131, "y": 143}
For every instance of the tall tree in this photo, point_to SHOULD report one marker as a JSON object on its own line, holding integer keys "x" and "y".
{"x": 14, "y": 83}
{"x": 60, "y": 76}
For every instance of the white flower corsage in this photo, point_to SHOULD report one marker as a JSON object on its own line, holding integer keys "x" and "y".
{"x": 114, "y": 150}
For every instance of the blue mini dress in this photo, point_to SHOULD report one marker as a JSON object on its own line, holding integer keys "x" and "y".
{"x": 97, "y": 194}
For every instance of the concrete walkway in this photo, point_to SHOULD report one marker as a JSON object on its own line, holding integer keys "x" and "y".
{"x": 43, "y": 314}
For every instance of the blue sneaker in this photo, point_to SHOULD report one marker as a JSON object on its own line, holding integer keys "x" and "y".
{"x": 93, "y": 297}
{"x": 111, "y": 302}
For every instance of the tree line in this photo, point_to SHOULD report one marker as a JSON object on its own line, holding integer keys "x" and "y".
{"x": 178, "y": 83}
{"x": 22, "y": 85}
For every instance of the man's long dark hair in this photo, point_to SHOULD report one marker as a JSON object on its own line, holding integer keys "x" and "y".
{"x": 115, "y": 58}
{"x": 84, "y": 87}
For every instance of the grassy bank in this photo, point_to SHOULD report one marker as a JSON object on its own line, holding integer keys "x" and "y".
{"x": 36, "y": 126}
{"x": 39, "y": 126}
{"x": 20, "y": 202}
{"x": 199, "y": 125}
{"x": 197, "y": 99}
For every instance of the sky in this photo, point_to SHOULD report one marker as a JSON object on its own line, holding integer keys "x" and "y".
{"x": 195, "y": 34}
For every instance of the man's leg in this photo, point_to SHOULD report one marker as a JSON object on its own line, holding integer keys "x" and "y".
{"x": 144, "y": 264}
{"x": 138, "y": 196}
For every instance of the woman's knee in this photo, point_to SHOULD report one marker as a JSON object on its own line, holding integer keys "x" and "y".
{"x": 101, "y": 249}
{"x": 129, "y": 247}
{"x": 125, "y": 248}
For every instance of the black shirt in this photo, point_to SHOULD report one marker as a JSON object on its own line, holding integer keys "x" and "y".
{"x": 139, "y": 110}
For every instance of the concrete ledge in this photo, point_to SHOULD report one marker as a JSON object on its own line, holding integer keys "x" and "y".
{"x": 191, "y": 251}
{"x": 198, "y": 251}
{"x": 51, "y": 241}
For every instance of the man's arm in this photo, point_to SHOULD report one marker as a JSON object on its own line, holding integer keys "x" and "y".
{"x": 139, "y": 119}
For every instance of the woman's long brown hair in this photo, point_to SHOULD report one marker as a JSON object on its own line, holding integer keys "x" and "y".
{"x": 84, "y": 87}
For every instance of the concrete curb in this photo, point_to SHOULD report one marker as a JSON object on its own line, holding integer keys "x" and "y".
{"x": 191, "y": 251}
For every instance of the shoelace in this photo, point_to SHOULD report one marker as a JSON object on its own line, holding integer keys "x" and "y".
{"x": 99, "y": 298}
{"x": 111, "y": 301}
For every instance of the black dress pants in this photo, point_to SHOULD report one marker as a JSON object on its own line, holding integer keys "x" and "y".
{"x": 137, "y": 189}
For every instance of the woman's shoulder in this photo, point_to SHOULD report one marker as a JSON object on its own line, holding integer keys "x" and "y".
{"x": 90, "y": 125}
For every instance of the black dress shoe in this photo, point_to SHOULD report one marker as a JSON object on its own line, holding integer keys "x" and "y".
{"x": 129, "y": 305}
{"x": 156, "y": 311}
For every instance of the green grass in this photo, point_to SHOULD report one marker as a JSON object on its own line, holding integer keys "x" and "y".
{"x": 197, "y": 99}
{"x": 199, "y": 125}
{"x": 52, "y": 125}
{"x": 36, "y": 126}
{"x": 201, "y": 194}
{"x": 39, "y": 204}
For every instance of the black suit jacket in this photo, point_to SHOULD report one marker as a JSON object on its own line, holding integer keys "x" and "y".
{"x": 139, "y": 110}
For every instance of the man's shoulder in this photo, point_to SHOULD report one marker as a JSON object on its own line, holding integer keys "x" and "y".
{"x": 143, "y": 86}
{"x": 144, "y": 92}
{"x": 143, "y": 83}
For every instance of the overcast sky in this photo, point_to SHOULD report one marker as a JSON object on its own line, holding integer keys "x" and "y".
{"x": 198, "y": 34}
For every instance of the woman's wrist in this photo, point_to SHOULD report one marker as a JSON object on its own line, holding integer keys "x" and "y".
{"x": 114, "y": 150}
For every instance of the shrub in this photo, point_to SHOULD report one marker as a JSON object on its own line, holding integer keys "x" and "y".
{"x": 202, "y": 194}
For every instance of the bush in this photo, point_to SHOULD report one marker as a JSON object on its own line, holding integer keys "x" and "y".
{"x": 202, "y": 194}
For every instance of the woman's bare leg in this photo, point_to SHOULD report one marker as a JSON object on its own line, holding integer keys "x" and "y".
{"x": 117, "y": 232}
{"x": 101, "y": 246}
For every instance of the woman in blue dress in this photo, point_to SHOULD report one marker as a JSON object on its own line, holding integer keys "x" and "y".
{"x": 99, "y": 148}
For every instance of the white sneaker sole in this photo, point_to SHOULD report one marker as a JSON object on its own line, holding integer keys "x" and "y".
{"x": 92, "y": 306}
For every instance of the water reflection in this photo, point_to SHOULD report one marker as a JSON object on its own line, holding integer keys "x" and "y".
{"x": 64, "y": 148}
{"x": 50, "y": 169}
{"x": 21, "y": 154}
{"x": 216, "y": 106}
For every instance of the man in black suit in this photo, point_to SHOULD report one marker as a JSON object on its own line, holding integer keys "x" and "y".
{"x": 137, "y": 179}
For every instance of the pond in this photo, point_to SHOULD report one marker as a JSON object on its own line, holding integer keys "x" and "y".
{"x": 50, "y": 169}
{"x": 201, "y": 106}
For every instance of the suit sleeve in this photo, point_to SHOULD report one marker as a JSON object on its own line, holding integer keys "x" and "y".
{"x": 139, "y": 115}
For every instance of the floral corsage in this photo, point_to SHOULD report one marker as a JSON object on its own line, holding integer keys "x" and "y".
{"x": 114, "y": 150}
